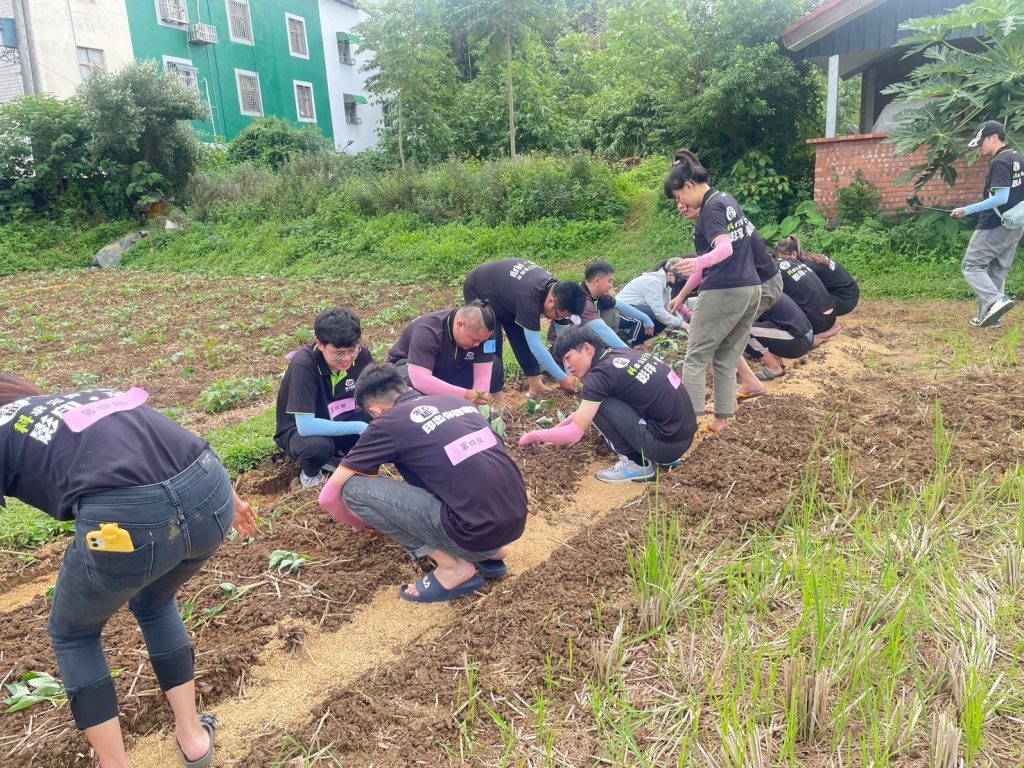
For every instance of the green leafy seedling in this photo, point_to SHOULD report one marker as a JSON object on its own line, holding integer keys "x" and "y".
{"x": 34, "y": 688}
{"x": 283, "y": 560}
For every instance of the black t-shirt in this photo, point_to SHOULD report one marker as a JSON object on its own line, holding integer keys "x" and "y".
{"x": 1007, "y": 170}
{"x": 121, "y": 443}
{"x": 592, "y": 309}
{"x": 443, "y": 445}
{"x": 721, "y": 215}
{"x": 515, "y": 288}
{"x": 427, "y": 342}
{"x": 309, "y": 387}
{"x": 648, "y": 385}
{"x": 804, "y": 287}
{"x": 785, "y": 314}
{"x": 837, "y": 281}
{"x": 764, "y": 261}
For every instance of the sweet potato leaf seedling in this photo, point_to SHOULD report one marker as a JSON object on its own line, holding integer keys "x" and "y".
{"x": 493, "y": 416}
{"x": 34, "y": 688}
{"x": 283, "y": 560}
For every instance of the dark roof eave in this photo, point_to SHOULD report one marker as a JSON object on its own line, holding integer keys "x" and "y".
{"x": 824, "y": 19}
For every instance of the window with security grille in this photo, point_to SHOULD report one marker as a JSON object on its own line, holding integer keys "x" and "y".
{"x": 304, "y": 102}
{"x": 173, "y": 11}
{"x": 297, "y": 36}
{"x": 90, "y": 60}
{"x": 351, "y": 115}
{"x": 249, "y": 100}
{"x": 239, "y": 21}
{"x": 345, "y": 52}
{"x": 188, "y": 75}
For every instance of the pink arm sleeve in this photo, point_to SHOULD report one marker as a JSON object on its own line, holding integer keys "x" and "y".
{"x": 427, "y": 383}
{"x": 721, "y": 252}
{"x": 482, "y": 376}
{"x": 566, "y": 433}
{"x": 332, "y": 501}
{"x": 695, "y": 279}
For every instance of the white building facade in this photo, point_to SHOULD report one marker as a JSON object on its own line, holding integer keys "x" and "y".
{"x": 354, "y": 114}
{"x": 62, "y": 42}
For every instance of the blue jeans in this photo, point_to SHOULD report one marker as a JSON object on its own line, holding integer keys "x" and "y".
{"x": 175, "y": 527}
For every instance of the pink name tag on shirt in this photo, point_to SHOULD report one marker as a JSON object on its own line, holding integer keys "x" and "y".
{"x": 470, "y": 445}
{"x": 339, "y": 407}
{"x": 673, "y": 379}
{"x": 88, "y": 414}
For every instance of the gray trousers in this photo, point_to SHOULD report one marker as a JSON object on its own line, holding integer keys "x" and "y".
{"x": 629, "y": 436}
{"x": 407, "y": 515}
{"x": 719, "y": 331}
{"x": 987, "y": 263}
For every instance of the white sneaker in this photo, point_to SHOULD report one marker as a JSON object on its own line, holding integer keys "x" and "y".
{"x": 311, "y": 481}
{"x": 976, "y": 322}
{"x": 996, "y": 310}
{"x": 626, "y": 471}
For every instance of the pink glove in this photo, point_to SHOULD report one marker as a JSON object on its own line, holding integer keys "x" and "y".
{"x": 332, "y": 501}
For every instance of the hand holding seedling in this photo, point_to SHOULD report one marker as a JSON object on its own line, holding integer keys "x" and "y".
{"x": 570, "y": 384}
{"x": 478, "y": 396}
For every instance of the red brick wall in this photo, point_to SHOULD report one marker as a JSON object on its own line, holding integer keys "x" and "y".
{"x": 838, "y": 159}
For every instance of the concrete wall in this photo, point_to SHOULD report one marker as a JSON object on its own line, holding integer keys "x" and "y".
{"x": 837, "y": 161}
{"x": 57, "y": 28}
{"x": 347, "y": 79}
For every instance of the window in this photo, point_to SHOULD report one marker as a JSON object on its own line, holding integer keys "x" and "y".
{"x": 183, "y": 68}
{"x": 304, "y": 106}
{"x": 297, "y": 36}
{"x": 249, "y": 100}
{"x": 239, "y": 21}
{"x": 351, "y": 116}
{"x": 173, "y": 12}
{"x": 90, "y": 60}
{"x": 345, "y": 52}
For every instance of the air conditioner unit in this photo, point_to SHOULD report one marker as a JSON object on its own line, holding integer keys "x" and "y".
{"x": 173, "y": 11}
{"x": 204, "y": 34}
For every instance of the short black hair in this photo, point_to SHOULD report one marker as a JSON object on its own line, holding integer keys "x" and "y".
{"x": 597, "y": 269}
{"x": 685, "y": 167}
{"x": 338, "y": 326}
{"x": 379, "y": 383}
{"x": 575, "y": 338}
{"x": 570, "y": 296}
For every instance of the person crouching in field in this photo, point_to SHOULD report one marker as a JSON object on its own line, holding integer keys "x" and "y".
{"x": 317, "y": 417}
{"x": 603, "y": 312}
{"x": 463, "y": 502}
{"x": 450, "y": 352}
{"x": 151, "y": 504}
{"x": 837, "y": 281}
{"x": 633, "y": 398}
{"x": 782, "y": 331}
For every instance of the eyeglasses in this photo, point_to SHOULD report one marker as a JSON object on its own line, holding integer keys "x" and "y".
{"x": 336, "y": 353}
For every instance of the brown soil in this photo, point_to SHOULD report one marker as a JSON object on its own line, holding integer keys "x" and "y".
{"x": 330, "y": 656}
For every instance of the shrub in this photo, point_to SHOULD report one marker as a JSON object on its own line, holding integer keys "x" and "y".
{"x": 757, "y": 186}
{"x": 858, "y": 200}
{"x": 272, "y": 141}
{"x": 229, "y": 393}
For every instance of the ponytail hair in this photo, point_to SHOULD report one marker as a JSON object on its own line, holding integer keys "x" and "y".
{"x": 791, "y": 247}
{"x": 14, "y": 387}
{"x": 487, "y": 316}
{"x": 685, "y": 167}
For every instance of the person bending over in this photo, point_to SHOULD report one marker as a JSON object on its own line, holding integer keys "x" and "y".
{"x": 990, "y": 252}
{"x": 317, "y": 417}
{"x": 520, "y": 293}
{"x": 450, "y": 352}
{"x": 151, "y": 504}
{"x": 463, "y": 502}
{"x": 803, "y": 286}
{"x": 783, "y": 331}
{"x": 651, "y": 293}
{"x": 603, "y": 312}
{"x": 635, "y": 400}
{"x": 837, "y": 281}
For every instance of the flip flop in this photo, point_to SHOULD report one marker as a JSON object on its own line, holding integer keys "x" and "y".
{"x": 742, "y": 396}
{"x": 433, "y": 591}
{"x": 765, "y": 375}
{"x": 704, "y": 429}
{"x": 209, "y": 722}
{"x": 492, "y": 569}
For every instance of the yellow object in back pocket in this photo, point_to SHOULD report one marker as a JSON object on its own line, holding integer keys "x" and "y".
{"x": 110, "y": 538}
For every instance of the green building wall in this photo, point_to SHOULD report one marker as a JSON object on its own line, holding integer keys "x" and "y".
{"x": 269, "y": 56}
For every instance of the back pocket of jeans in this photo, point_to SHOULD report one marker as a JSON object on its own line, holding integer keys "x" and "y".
{"x": 120, "y": 571}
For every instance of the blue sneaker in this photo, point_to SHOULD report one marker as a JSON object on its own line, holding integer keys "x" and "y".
{"x": 627, "y": 471}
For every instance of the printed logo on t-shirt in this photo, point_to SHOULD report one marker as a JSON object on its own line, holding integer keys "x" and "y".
{"x": 730, "y": 213}
{"x": 422, "y": 413}
{"x": 350, "y": 384}
{"x": 520, "y": 268}
{"x": 620, "y": 362}
{"x": 8, "y": 411}
{"x": 470, "y": 355}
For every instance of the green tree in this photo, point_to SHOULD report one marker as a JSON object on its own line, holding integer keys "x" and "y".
{"x": 413, "y": 74}
{"x": 961, "y": 87}
{"x": 45, "y": 159}
{"x": 503, "y": 25}
{"x": 137, "y": 120}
